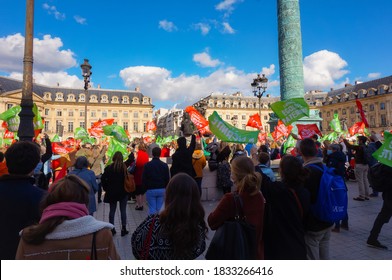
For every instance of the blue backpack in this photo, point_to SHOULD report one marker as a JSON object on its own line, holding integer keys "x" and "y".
{"x": 331, "y": 204}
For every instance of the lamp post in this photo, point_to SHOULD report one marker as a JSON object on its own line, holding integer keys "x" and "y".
{"x": 26, "y": 127}
{"x": 259, "y": 85}
{"x": 86, "y": 73}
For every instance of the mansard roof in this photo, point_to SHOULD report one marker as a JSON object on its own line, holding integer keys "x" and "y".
{"x": 9, "y": 84}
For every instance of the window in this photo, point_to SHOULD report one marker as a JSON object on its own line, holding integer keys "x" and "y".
{"x": 125, "y": 125}
{"x": 383, "y": 120}
{"x": 59, "y": 127}
{"x": 343, "y": 111}
{"x": 104, "y": 114}
{"x": 46, "y": 125}
{"x": 125, "y": 114}
{"x": 371, "y": 107}
{"x": 81, "y": 124}
{"x": 93, "y": 114}
{"x": 114, "y": 123}
{"x": 104, "y": 99}
{"x": 335, "y": 112}
{"x": 228, "y": 117}
{"x": 145, "y": 115}
{"x": 81, "y": 98}
{"x": 265, "y": 117}
{"x": 352, "y": 110}
{"x": 9, "y": 106}
{"x": 382, "y": 106}
{"x": 244, "y": 126}
{"x": 59, "y": 113}
{"x": 328, "y": 114}
{"x": 144, "y": 127}
{"x": 81, "y": 113}
{"x": 70, "y": 113}
{"x": 136, "y": 126}
{"x": 243, "y": 117}
{"x": 135, "y": 115}
{"x": 115, "y": 114}
{"x": 46, "y": 112}
{"x": 70, "y": 127}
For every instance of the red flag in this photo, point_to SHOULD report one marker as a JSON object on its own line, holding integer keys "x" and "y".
{"x": 281, "y": 130}
{"x": 198, "y": 120}
{"x": 308, "y": 130}
{"x": 255, "y": 121}
{"x": 262, "y": 137}
{"x": 8, "y": 134}
{"x": 151, "y": 126}
{"x": 96, "y": 129}
{"x": 362, "y": 113}
{"x": 61, "y": 147}
{"x": 62, "y": 173}
{"x": 357, "y": 128}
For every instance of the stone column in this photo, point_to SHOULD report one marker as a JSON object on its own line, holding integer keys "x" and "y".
{"x": 290, "y": 50}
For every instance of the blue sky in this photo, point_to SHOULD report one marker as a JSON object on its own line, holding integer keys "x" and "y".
{"x": 179, "y": 51}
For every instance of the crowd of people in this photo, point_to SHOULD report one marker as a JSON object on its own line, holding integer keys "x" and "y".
{"x": 48, "y": 215}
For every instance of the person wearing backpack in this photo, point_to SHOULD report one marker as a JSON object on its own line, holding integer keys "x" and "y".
{"x": 317, "y": 232}
{"x": 361, "y": 167}
{"x": 380, "y": 178}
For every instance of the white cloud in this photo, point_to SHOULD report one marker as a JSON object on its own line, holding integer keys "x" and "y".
{"x": 374, "y": 75}
{"x": 227, "y": 28}
{"x": 52, "y": 10}
{"x": 47, "y": 52}
{"x": 167, "y": 25}
{"x": 268, "y": 71}
{"x": 204, "y": 60}
{"x": 159, "y": 84}
{"x": 227, "y": 5}
{"x": 323, "y": 69}
{"x": 203, "y": 27}
{"x": 53, "y": 78}
{"x": 80, "y": 20}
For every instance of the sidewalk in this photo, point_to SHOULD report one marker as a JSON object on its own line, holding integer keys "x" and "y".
{"x": 346, "y": 245}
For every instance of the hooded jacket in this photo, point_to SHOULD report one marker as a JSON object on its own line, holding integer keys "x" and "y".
{"x": 182, "y": 158}
{"x": 198, "y": 162}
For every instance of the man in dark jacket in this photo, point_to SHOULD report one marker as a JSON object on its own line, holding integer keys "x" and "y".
{"x": 386, "y": 211}
{"x": 19, "y": 198}
{"x": 182, "y": 157}
{"x": 318, "y": 232}
{"x": 361, "y": 167}
{"x": 155, "y": 178}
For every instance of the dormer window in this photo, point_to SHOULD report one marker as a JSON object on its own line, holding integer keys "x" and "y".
{"x": 59, "y": 96}
{"x": 114, "y": 99}
{"x": 104, "y": 99}
{"x": 135, "y": 100}
{"x": 93, "y": 98}
{"x": 71, "y": 98}
{"x": 82, "y": 97}
{"x": 145, "y": 100}
{"x": 125, "y": 100}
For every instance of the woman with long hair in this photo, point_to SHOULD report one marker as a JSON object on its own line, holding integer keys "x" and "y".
{"x": 286, "y": 211}
{"x": 179, "y": 230}
{"x": 66, "y": 230}
{"x": 247, "y": 185}
{"x": 113, "y": 184}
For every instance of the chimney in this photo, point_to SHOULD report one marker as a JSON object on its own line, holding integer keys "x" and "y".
{"x": 58, "y": 84}
{"x": 331, "y": 89}
{"x": 358, "y": 82}
{"x": 99, "y": 86}
{"x": 137, "y": 89}
{"x": 268, "y": 95}
{"x": 347, "y": 85}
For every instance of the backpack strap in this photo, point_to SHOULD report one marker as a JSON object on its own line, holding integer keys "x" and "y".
{"x": 238, "y": 201}
{"x": 301, "y": 210}
{"x": 317, "y": 167}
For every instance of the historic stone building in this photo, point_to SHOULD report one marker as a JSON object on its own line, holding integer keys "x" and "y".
{"x": 375, "y": 96}
{"x": 169, "y": 122}
{"x": 237, "y": 108}
{"x": 63, "y": 108}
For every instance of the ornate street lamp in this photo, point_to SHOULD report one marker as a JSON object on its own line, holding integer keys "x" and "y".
{"x": 86, "y": 73}
{"x": 26, "y": 127}
{"x": 259, "y": 85}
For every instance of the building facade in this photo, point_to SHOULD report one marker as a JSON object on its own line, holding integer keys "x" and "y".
{"x": 63, "y": 108}
{"x": 169, "y": 122}
{"x": 375, "y": 97}
{"x": 236, "y": 109}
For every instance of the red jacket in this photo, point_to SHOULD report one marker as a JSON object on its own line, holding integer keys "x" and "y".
{"x": 141, "y": 160}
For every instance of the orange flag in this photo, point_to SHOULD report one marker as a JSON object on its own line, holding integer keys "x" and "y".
{"x": 62, "y": 173}
{"x": 255, "y": 121}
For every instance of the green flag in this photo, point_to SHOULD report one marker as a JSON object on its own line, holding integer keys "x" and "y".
{"x": 116, "y": 146}
{"x": 290, "y": 110}
{"x": 335, "y": 123}
{"x": 55, "y": 138}
{"x": 290, "y": 142}
{"x": 80, "y": 133}
{"x": 384, "y": 153}
{"x": 117, "y": 132}
{"x": 11, "y": 117}
{"x": 228, "y": 133}
{"x": 89, "y": 140}
{"x": 38, "y": 123}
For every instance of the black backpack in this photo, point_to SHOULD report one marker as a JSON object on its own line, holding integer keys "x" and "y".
{"x": 379, "y": 177}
